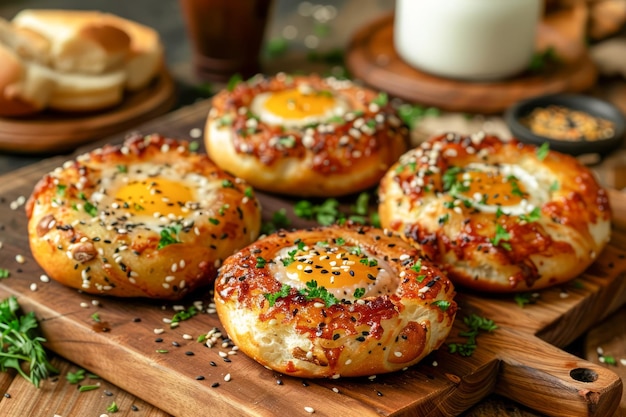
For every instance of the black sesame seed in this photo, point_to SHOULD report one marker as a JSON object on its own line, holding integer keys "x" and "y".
{"x": 189, "y": 353}
{"x": 158, "y": 340}
{"x": 7, "y": 395}
{"x": 227, "y": 360}
{"x": 212, "y": 363}
{"x": 215, "y": 385}
{"x": 136, "y": 320}
{"x": 199, "y": 378}
{"x": 279, "y": 382}
{"x": 175, "y": 344}
{"x": 108, "y": 393}
{"x": 305, "y": 384}
{"x": 380, "y": 394}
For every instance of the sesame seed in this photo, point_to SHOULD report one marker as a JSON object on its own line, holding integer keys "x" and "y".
{"x": 309, "y": 410}
{"x": 44, "y": 278}
{"x": 20, "y": 259}
{"x": 158, "y": 331}
{"x": 227, "y": 377}
{"x": 33, "y": 286}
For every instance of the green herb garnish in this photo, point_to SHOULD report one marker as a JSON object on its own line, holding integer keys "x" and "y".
{"x": 4, "y": 273}
{"x": 475, "y": 323}
{"x": 312, "y": 291}
{"x": 501, "y": 237}
{"x": 90, "y": 209}
{"x": 381, "y": 99}
{"x": 411, "y": 115}
{"x": 20, "y": 347}
{"x": 260, "y": 262}
{"x": 533, "y": 216}
{"x": 443, "y": 305}
{"x": 272, "y": 297}
{"x": 233, "y": 81}
{"x": 113, "y": 408}
{"x": 543, "y": 151}
{"x": 84, "y": 388}
{"x": 169, "y": 236}
{"x": 358, "y": 293}
{"x": 75, "y": 377}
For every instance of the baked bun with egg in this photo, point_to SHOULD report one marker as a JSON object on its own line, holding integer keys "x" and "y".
{"x": 149, "y": 218}
{"x": 499, "y": 216}
{"x": 335, "y": 301}
{"x": 304, "y": 135}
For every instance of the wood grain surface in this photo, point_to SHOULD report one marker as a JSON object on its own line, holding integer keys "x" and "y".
{"x": 522, "y": 360}
{"x": 372, "y": 58}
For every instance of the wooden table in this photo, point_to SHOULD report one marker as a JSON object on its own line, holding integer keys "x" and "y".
{"x": 58, "y": 397}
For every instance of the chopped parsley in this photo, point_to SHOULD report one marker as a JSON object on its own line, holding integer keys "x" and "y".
{"x": 228, "y": 184}
{"x": 90, "y": 209}
{"x": 122, "y": 169}
{"x": 282, "y": 293}
{"x": 96, "y": 317}
{"x": 312, "y": 291}
{"x": 501, "y": 237}
{"x": 475, "y": 324}
{"x": 169, "y": 236}
{"x": 113, "y": 408}
{"x": 358, "y": 293}
{"x": 381, "y": 99}
{"x": 411, "y": 115}
{"x": 543, "y": 151}
{"x": 533, "y": 216}
{"x": 260, "y": 262}
{"x": 443, "y": 305}
{"x": 183, "y": 315}
{"x": 61, "y": 189}
{"x": 278, "y": 221}
{"x": 75, "y": 377}
{"x": 4, "y": 273}
{"x": 233, "y": 81}
{"x": 523, "y": 298}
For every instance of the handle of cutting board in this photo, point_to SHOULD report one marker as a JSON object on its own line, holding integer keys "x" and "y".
{"x": 552, "y": 381}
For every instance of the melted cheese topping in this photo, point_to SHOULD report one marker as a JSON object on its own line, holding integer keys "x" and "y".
{"x": 346, "y": 272}
{"x": 154, "y": 195}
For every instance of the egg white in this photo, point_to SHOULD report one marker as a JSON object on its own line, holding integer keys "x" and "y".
{"x": 340, "y": 108}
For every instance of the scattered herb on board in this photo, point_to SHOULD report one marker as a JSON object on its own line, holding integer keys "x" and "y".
{"x": 524, "y": 298}
{"x": 85, "y": 388}
{"x": 475, "y": 324}
{"x": 183, "y": 315}
{"x": 329, "y": 211}
{"x": 278, "y": 221}
{"x": 113, "y": 408}
{"x": 4, "y": 273}
{"x": 75, "y": 377}
{"x": 20, "y": 347}
{"x": 412, "y": 115}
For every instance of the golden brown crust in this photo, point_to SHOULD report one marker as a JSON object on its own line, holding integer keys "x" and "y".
{"x": 336, "y": 157}
{"x": 405, "y": 312}
{"x": 558, "y": 229}
{"x": 87, "y": 235}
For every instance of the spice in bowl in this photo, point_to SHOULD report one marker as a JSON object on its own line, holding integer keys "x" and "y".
{"x": 563, "y": 123}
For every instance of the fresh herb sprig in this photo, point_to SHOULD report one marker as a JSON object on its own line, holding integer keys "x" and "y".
{"x": 20, "y": 347}
{"x": 475, "y": 324}
{"x": 330, "y": 212}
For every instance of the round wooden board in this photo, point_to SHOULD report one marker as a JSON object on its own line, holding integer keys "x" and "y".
{"x": 55, "y": 131}
{"x": 372, "y": 58}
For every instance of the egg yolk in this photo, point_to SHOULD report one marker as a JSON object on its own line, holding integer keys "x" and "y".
{"x": 333, "y": 269}
{"x": 493, "y": 188}
{"x": 154, "y": 195}
{"x": 296, "y": 104}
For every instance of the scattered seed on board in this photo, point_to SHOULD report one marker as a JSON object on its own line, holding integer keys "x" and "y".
{"x": 227, "y": 377}
{"x": 20, "y": 259}
{"x": 44, "y": 278}
{"x": 33, "y": 286}
{"x": 310, "y": 410}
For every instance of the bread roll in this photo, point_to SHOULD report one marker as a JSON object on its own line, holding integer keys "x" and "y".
{"x": 81, "y": 41}
{"x": 25, "y": 88}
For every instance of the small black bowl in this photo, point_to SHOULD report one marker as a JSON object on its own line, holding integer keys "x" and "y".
{"x": 591, "y": 105}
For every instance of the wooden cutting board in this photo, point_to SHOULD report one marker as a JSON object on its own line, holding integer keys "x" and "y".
{"x": 521, "y": 360}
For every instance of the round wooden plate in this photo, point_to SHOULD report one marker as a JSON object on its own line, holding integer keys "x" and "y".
{"x": 372, "y": 58}
{"x": 56, "y": 132}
